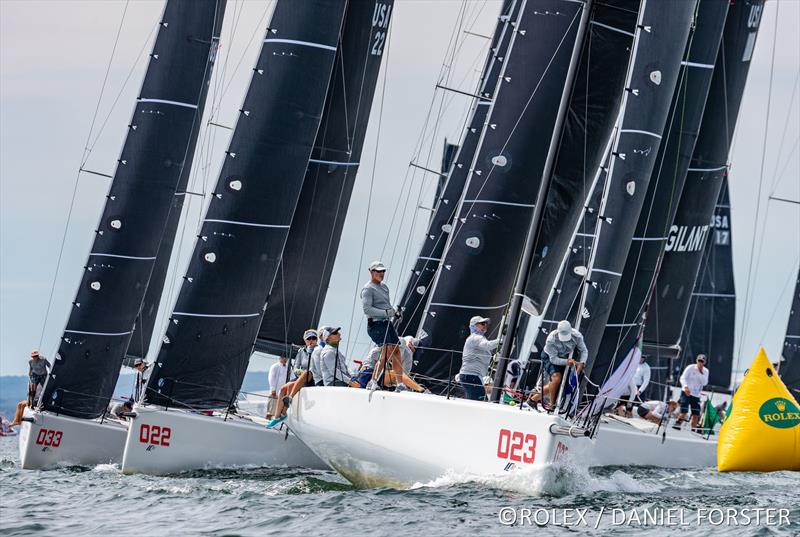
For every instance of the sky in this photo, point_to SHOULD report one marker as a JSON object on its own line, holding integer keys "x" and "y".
{"x": 53, "y": 60}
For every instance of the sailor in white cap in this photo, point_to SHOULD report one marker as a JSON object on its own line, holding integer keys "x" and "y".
{"x": 558, "y": 354}
{"x": 315, "y": 369}
{"x": 377, "y": 306}
{"x": 475, "y": 358}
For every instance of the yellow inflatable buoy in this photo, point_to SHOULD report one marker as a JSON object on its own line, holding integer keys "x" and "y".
{"x": 762, "y": 434}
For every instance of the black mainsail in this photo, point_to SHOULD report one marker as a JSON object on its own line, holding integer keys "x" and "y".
{"x": 685, "y": 245}
{"x": 157, "y": 152}
{"x": 711, "y": 322}
{"x": 145, "y": 322}
{"x": 593, "y": 109}
{"x": 212, "y": 330}
{"x": 790, "y": 367}
{"x": 666, "y": 183}
{"x": 418, "y": 288}
{"x": 484, "y": 247}
{"x": 662, "y": 33}
{"x": 294, "y": 305}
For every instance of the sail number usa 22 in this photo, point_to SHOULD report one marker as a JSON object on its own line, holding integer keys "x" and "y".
{"x": 154, "y": 434}
{"x": 516, "y": 446}
{"x": 380, "y": 20}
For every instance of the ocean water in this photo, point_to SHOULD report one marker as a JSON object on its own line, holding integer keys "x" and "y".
{"x": 280, "y": 501}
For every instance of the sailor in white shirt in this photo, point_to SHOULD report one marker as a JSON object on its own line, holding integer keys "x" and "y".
{"x": 278, "y": 374}
{"x": 639, "y": 383}
{"x": 693, "y": 379}
{"x": 656, "y": 411}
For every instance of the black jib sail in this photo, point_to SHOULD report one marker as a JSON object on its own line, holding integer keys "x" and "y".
{"x": 711, "y": 321}
{"x": 666, "y": 182}
{"x": 593, "y": 109}
{"x": 483, "y": 252}
{"x": 662, "y": 32}
{"x": 316, "y": 228}
{"x": 685, "y": 246}
{"x": 145, "y": 322}
{"x": 212, "y": 330}
{"x": 418, "y": 287}
{"x": 790, "y": 366}
{"x": 157, "y": 150}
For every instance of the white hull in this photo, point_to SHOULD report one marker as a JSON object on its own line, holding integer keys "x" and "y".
{"x": 168, "y": 441}
{"x": 401, "y": 439}
{"x": 53, "y": 440}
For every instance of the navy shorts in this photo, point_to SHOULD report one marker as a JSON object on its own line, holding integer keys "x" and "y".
{"x": 364, "y": 377}
{"x": 37, "y": 379}
{"x": 689, "y": 401}
{"x": 473, "y": 387}
{"x": 382, "y": 333}
{"x": 549, "y": 367}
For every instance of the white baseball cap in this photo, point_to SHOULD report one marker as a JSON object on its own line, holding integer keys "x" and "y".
{"x": 564, "y": 331}
{"x": 377, "y": 265}
{"x": 478, "y": 319}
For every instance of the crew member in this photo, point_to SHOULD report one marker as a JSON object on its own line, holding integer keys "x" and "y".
{"x": 558, "y": 354}
{"x": 316, "y": 370}
{"x": 378, "y": 308}
{"x": 475, "y": 358}
{"x": 304, "y": 375}
{"x": 38, "y": 367}
{"x": 656, "y": 411}
{"x": 694, "y": 377}
{"x": 278, "y": 374}
{"x": 118, "y": 410}
{"x": 332, "y": 361}
{"x": 141, "y": 367}
{"x": 639, "y": 383}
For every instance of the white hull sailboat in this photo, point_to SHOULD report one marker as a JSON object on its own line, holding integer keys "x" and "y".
{"x": 167, "y": 441}
{"x": 47, "y": 440}
{"x": 382, "y": 447}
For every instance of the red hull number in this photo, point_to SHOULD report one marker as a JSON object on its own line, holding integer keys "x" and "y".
{"x": 49, "y": 437}
{"x": 154, "y": 434}
{"x": 516, "y": 446}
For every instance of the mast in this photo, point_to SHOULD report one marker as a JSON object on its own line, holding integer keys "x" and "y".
{"x": 145, "y": 323}
{"x": 420, "y": 281}
{"x": 158, "y": 150}
{"x": 627, "y": 316}
{"x": 212, "y": 330}
{"x": 301, "y": 283}
{"x": 515, "y": 305}
{"x": 661, "y": 36}
{"x": 488, "y": 234}
{"x": 686, "y": 238}
{"x": 790, "y": 367}
{"x": 711, "y": 321}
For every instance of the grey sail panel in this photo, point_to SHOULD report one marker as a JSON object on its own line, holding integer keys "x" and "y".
{"x": 686, "y": 239}
{"x": 155, "y": 154}
{"x": 593, "y": 109}
{"x": 711, "y": 320}
{"x": 662, "y": 34}
{"x": 145, "y": 322}
{"x": 418, "y": 286}
{"x": 666, "y": 181}
{"x": 212, "y": 330}
{"x": 790, "y": 366}
{"x": 294, "y": 305}
{"x": 483, "y": 253}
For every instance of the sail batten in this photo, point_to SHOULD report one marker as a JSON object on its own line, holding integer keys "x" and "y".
{"x": 157, "y": 152}
{"x": 207, "y": 345}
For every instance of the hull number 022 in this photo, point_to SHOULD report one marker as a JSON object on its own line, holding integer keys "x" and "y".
{"x": 154, "y": 434}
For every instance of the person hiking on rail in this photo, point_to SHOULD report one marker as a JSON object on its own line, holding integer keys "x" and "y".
{"x": 475, "y": 358}
{"x": 558, "y": 354}
{"x": 305, "y": 377}
{"x": 37, "y": 374}
{"x": 380, "y": 314}
{"x": 314, "y": 368}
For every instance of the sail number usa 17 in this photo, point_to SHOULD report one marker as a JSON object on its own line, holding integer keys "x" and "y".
{"x": 380, "y": 19}
{"x": 516, "y": 446}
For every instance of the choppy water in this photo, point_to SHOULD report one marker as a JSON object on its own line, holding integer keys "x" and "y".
{"x": 266, "y": 501}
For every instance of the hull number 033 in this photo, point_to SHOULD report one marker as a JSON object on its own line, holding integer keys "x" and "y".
{"x": 154, "y": 434}
{"x": 516, "y": 446}
{"x": 49, "y": 437}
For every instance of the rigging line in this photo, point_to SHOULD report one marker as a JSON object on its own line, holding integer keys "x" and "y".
{"x": 78, "y": 174}
{"x": 783, "y": 135}
{"x": 789, "y": 161}
{"x": 791, "y": 277}
{"x": 748, "y": 290}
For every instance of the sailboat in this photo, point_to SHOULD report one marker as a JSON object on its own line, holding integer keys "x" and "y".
{"x": 70, "y": 422}
{"x": 301, "y": 124}
{"x": 489, "y": 439}
{"x": 789, "y": 367}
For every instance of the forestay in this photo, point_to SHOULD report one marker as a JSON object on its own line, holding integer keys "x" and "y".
{"x": 212, "y": 330}
{"x": 156, "y": 154}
